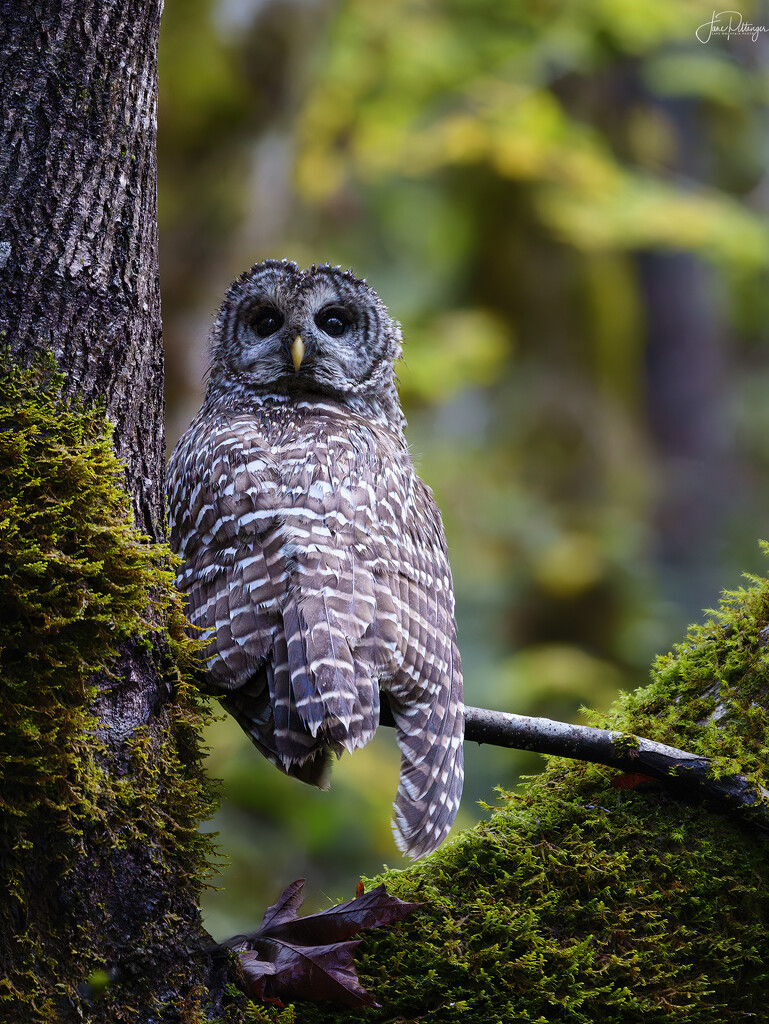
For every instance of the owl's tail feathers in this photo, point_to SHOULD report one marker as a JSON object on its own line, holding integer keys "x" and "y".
{"x": 432, "y": 773}
{"x": 310, "y": 760}
{"x": 316, "y": 771}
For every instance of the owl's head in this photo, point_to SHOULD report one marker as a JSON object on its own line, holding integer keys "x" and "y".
{"x": 318, "y": 331}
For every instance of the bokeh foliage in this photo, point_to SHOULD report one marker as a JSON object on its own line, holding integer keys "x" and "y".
{"x": 564, "y": 203}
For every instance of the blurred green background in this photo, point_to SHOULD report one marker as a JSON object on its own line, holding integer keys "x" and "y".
{"x": 565, "y": 203}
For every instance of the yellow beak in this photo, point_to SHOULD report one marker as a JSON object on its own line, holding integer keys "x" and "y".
{"x": 297, "y": 352}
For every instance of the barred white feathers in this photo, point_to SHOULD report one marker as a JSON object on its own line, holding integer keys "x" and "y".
{"x": 314, "y": 559}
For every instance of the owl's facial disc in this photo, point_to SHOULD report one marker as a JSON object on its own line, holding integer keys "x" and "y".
{"x": 319, "y": 331}
{"x": 305, "y": 342}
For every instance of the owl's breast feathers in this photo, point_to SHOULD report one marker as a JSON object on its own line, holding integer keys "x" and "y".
{"x": 314, "y": 563}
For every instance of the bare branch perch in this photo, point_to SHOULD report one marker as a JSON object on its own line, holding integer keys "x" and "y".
{"x": 680, "y": 770}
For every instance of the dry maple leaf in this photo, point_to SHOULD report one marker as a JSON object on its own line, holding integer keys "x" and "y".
{"x": 291, "y": 957}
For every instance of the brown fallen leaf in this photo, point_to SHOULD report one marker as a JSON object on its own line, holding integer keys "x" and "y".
{"x": 290, "y": 957}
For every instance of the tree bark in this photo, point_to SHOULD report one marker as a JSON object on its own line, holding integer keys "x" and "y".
{"x": 79, "y": 278}
{"x": 78, "y": 224}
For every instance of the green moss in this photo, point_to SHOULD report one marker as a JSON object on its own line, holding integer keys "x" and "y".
{"x": 625, "y": 744}
{"x": 243, "y": 1011}
{"x": 578, "y": 902}
{"x": 80, "y": 590}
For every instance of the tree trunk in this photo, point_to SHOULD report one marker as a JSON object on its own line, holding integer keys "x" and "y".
{"x": 101, "y": 784}
{"x": 78, "y": 234}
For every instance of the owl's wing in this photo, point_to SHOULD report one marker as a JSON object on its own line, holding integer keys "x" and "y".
{"x": 225, "y": 523}
{"x": 273, "y": 580}
{"x": 425, "y": 693}
{"x": 232, "y": 585}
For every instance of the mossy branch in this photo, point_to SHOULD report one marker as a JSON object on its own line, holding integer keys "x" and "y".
{"x": 582, "y": 901}
{"x": 680, "y": 770}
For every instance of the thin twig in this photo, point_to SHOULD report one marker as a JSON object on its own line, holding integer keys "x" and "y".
{"x": 678, "y": 769}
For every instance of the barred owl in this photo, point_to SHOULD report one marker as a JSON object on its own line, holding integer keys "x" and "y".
{"x": 313, "y": 557}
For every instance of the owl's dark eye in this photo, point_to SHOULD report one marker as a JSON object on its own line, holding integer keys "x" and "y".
{"x": 267, "y": 322}
{"x": 333, "y": 321}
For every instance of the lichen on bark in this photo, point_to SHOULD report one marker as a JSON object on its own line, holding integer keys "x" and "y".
{"x": 83, "y": 797}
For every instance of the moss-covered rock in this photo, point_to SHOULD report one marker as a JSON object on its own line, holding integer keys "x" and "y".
{"x": 101, "y": 786}
{"x": 580, "y": 902}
